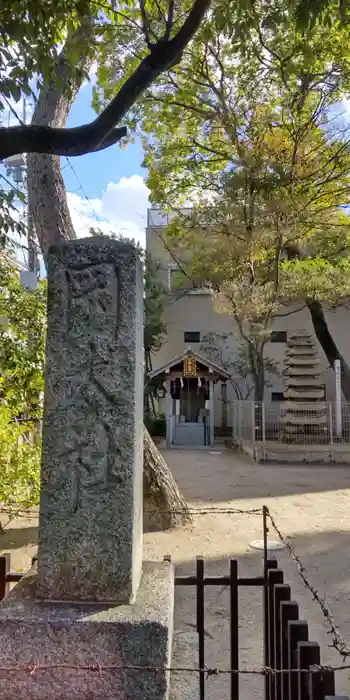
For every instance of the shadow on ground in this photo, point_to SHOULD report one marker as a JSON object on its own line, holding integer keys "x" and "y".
{"x": 233, "y": 475}
{"x": 326, "y": 557}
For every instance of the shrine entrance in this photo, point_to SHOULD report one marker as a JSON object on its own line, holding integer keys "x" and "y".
{"x": 192, "y": 399}
{"x": 189, "y": 381}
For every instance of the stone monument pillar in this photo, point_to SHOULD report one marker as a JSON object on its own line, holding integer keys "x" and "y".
{"x": 90, "y": 533}
{"x": 88, "y": 605}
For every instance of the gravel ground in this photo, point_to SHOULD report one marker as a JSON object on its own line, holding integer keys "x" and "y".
{"x": 311, "y": 507}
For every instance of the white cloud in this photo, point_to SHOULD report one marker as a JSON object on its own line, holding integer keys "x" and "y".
{"x": 121, "y": 209}
{"x": 91, "y": 81}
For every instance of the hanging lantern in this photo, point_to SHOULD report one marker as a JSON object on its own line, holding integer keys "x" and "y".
{"x": 161, "y": 392}
{"x": 190, "y": 367}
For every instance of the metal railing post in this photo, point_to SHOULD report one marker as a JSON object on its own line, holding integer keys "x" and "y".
{"x": 263, "y": 431}
{"x": 330, "y": 411}
{"x": 331, "y": 437}
{"x": 240, "y": 421}
{"x": 263, "y": 426}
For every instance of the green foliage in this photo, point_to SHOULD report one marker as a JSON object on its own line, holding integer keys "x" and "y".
{"x": 245, "y": 130}
{"x": 156, "y": 426}
{"x": 22, "y": 339}
{"x": 308, "y": 12}
{"x": 122, "y": 52}
{"x": 9, "y": 221}
{"x": 154, "y": 327}
{"x": 316, "y": 278}
{"x": 31, "y": 34}
{"x": 218, "y": 348}
{"x": 22, "y": 344}
{"x": 19, "y": 464}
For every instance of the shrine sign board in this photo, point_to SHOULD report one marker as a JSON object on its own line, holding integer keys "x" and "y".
{"x": 190, "y": 367}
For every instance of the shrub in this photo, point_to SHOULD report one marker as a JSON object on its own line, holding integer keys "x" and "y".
{"x": 156, "y": 426}
{"x": 19, "y": 464}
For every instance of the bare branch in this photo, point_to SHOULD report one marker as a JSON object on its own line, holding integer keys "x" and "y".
{"x": 169, "y": 24}
{"x": 145, "y": 23}
{"x": 205, "y": 113}
{"x": 290, "y": 313}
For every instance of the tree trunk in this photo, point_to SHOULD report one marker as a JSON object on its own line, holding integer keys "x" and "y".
{"x": 258, "y": 371}
{"x": 164, "y": 506}
{"x": 48, "y": 204}
{"x": 328, "y": 345}
{"x": 259, "y": 389}
{"x": 321, "y": 329}
{"x": 47, "y": 200}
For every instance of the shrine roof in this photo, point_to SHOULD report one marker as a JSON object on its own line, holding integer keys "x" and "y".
{"x": 200, "y": 359}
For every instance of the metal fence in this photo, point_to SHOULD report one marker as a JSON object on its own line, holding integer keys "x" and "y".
{"x": 320, "y": 423}
{"x": 296, "y": 661}
{"x": 291, "y": 666}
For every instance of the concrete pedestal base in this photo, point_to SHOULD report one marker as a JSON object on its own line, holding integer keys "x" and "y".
{"x": 54, "y": 638}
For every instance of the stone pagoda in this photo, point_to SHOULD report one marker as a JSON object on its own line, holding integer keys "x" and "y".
{"x": 304, "y": 411}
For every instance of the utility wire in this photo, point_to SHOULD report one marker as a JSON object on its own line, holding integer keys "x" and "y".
{"x": 182, "y": 293}
{"x": 81, "y": 188}
{"x": 12, "y": 109}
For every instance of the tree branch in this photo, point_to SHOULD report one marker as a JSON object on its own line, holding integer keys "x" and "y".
{"x": 169, "y": 24}
{"x": 145, "y": 23}
{"x": 102, "y": 133}
{"x": 33, "y": 138}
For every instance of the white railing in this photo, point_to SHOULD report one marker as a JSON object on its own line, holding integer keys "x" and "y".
{"x": 302, "y": 424}
{"x": 157, "y": 218}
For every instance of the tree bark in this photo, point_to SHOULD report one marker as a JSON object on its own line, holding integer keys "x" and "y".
{"x": 48, "y": 204}
{"x": 321, "y": 329}
{"x": 328, "y": 345}
{"x": 101, "y": 133}
{"x": 164, "y": 506}
{"x": 47, "y": 200}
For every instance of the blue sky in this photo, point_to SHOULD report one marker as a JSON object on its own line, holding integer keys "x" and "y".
{"x": 104, "y": 189}
{"x": 96, "y": 170}
{"x": 112, "y": 180}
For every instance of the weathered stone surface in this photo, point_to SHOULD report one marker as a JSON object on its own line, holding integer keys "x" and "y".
{"x": 90, "y": 531}
{"x": 39, "y": 634}
{"x": 184, "y": 686}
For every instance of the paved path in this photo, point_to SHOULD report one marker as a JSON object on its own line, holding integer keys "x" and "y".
{"x": 311, "y": 506}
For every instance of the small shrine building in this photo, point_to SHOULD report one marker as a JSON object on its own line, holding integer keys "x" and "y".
{"x": 188, "y": 382}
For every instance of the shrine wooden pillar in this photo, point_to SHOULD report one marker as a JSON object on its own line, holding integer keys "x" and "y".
{"x": 211, "y": 409}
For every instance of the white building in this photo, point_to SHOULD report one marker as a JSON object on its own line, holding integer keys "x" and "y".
{"x": 189, "y": 316}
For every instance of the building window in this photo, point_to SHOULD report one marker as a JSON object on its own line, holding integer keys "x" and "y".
{"x": 192, "y": 337}
{"x": 178, "y": 281}
{"x": 277, "y": 396}
{"x": 278, "y": 337}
